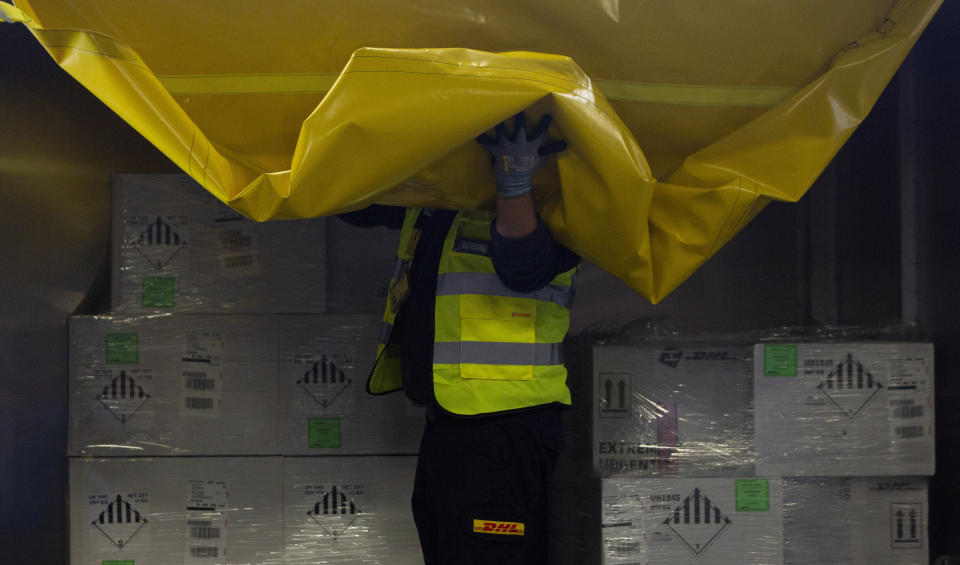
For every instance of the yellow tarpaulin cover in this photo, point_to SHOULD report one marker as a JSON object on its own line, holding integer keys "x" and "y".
{"x": 683, "y": 119}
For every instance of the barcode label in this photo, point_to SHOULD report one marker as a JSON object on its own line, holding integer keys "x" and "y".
{"x": 199, "y": 383}
{"x": 194, "y": 403}
{"x": 909, "y": 431}
{"x": 204, "y": 552}
{"x": 907, "y": 412}
{"x": 238, "y": 261}
{"x": 204, "y": 532}
{"x": 235, "y": 240}
{"x": 623, "y": 548}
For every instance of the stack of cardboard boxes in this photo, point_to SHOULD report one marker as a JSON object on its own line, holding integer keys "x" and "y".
{"x": 219, "y": 413}
{"x": 773, "y": 453}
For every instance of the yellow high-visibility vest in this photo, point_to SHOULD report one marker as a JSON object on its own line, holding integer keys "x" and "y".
{"x": 494, "y": 349}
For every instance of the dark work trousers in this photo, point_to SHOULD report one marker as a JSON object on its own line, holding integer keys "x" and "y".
{"x": 480, "y": 494}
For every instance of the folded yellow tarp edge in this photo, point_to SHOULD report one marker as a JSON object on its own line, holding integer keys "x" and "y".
{"x": 625, "y": 91}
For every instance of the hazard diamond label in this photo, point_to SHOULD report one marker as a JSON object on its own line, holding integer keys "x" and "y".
{"x": 850, "y": 387}
{"x": 335, "y": 511}
{"x": 324, "y": 379}
{"x": 123, "y": 397}
{"x": 160, "y": 241}
{"x": 697, "y": 522}
{"x": 119, "y": 522}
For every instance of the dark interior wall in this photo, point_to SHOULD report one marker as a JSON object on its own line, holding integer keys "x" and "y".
{"x": 58, "y": 146}
{"x": 936, "y": 60}
{"x": 867, "y": 217}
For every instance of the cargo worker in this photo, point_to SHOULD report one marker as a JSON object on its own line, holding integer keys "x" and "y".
{"x": 476, "y": 315}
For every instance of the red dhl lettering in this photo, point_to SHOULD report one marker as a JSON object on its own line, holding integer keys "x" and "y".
{"x": 498, "y": 528}
{"x": 522, "y": 314}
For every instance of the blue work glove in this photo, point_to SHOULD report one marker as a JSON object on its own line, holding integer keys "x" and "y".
{"x": 517, "y": 158}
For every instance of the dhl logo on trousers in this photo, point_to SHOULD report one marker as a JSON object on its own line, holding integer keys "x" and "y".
{"x": 501, "y": 528}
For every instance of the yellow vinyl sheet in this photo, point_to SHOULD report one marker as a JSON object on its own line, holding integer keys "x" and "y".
{"x": 683, "y": 119}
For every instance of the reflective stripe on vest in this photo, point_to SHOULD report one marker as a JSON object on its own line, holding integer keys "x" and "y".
{"x": 492, "y": 353}
{"x": 494, "y": 349}
{"x": 490, "y": 285}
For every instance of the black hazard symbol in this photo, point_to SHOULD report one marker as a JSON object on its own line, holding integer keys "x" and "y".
{"x": 159, "y": 243}
{"x": 906, "y": 526}
{"x": 123, "y": 397}
{"x": 334, "y": 512}
{"x": 119, "y": 522}
{"x": 697, "y": 522}
{"x": 615, "y": 395}
{"x": 324, "y": 381}
{"x": 850, "y": 387}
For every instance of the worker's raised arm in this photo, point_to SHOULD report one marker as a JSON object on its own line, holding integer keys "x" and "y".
{"x": 523, "y": 251}
{"x": 516, "y": 159}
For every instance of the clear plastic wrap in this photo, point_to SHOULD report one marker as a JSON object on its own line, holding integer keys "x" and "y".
{"x": 231, "y": 385}
{"x": 822, "y": 520}
{"x": 243, "y": 510}
{"x": 855, "y": 520}
{"x": 714, "y": 408}
{"x": 325, "y": 408}
{"x": 844, "y": 408}
{"x": 687, "y": 521}
{"x": 673, "y": 408}
{"x": 352, "y": 510}
{"x": 771, "y": 404}
{"x": 176, "y": 510}
{"x": 176, "y": 248}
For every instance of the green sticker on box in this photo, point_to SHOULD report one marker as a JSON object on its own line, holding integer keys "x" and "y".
{"x": 158, "y": 292}
{"x": 121, "y": 562}
{"x": 753, "y": 495}
{"x": 779, "y": 360}
{"x": 122, "y": 349}
{"x": 323, "y": 432}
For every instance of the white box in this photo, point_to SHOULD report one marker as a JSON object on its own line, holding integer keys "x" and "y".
{"x": 692, "y": 521}
{"x": 680, "y": 409}
{"x": 326, "y": 409}
{"x": 173, "y": 385}
{"x": 350, "y": 510}
{"x": 855, "y": 521}
{"x": 852, "y": 409}
{"x": 176, "y": 248}
{"x": 176, "y": 510}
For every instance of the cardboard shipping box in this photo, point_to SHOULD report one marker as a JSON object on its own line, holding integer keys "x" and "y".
{"x": 173, "y": 385}
{"x": 681, "y": 409}
{"x": 325, "y": 408}
{"x": 176, "y": 248}
{"x": 692, "y": 521}
{"x": 349, "y": 510}
{"x": 232, "y": 385}
{"x": 856, "y": 521}
{"x": 176, "y": 511}
{"x": 850, "y": 409}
